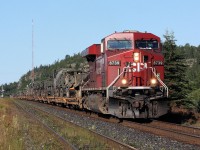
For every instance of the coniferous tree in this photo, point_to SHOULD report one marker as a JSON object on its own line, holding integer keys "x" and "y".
{"x": 175, "y": 68}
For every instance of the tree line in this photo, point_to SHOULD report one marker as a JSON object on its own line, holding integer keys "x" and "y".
{"x": 182, "y": 72}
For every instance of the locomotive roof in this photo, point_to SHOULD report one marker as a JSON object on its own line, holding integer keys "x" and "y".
{"x": 131, "y": 32}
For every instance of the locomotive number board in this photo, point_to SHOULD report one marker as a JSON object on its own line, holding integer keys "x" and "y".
{"x": 158, "y": 63}
{"x": 114, "y": 63}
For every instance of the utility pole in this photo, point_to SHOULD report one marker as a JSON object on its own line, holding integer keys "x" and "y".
{"x": 32, "y": 74}
{"x": 2, "y": 91}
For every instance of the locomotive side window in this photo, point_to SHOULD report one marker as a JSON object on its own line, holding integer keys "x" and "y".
{"x": 119, "y": 44}
{"x": 145, "y": 59}
{"x": 146, "y": 44}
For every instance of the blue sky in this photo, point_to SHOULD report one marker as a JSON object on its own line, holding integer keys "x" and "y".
{"x": 65, "y": 27}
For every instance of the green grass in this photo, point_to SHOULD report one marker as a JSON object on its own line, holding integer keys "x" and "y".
{"x": 79, "y": 136}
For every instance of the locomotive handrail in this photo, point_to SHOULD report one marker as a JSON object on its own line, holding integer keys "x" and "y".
{"x": 153, "y": 71}
{"x": 107, "y": 95}
{"x": 85, "y": 83}
{"x": 161, "y": 82}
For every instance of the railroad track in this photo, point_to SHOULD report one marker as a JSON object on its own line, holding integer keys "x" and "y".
{"x": 30, "y": 109}
{"x": 57, "y": 135}
{"x": 187, "y": 130}
{"x": 186, "y": 134}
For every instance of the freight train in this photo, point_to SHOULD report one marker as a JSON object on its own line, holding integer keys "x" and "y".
{"x": 124, "y": 78}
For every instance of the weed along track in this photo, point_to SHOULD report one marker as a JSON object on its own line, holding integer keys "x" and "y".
{"x": 81, "y": 126}
{"x": 71, "y": 135}
{"x": 45, "y": 122}
{"x": 20, "y": 131}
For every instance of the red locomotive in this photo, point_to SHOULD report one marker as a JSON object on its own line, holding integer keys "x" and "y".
{"x": 126, "y": 76}
{"x": 124, "y": 79}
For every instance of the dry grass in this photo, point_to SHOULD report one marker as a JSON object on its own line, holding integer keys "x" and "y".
{"x": 80, "y": 137}
{"x": 18, "y": 131}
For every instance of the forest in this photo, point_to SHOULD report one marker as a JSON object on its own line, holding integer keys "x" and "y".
{"x": 182, "y": 72}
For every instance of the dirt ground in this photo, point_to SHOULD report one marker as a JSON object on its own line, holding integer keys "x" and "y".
{"x": 188, "y": 117}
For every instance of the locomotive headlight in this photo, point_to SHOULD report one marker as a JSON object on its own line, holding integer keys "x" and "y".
{"x": 153, "y": 82}
{"x": 124, "y": 81}
{"x": 136, "y": 57}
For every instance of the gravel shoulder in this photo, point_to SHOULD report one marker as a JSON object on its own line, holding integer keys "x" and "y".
{"x": 135, "y": 138}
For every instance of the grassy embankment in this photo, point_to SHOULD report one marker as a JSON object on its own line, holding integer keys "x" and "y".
{"x": 19, "y": 131}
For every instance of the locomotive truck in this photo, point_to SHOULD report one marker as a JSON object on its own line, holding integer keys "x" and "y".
{"x": 124, "y": 78}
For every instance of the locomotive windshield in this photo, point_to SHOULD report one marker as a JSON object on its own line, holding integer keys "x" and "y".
{"x": 119, "y": 44}
{"x": 146, "y": 44}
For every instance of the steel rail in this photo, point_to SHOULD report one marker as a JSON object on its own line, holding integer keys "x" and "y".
{"x": 170, "y": 133}
{"x": 62, "y": 139}
{"x": 180, "y": 134}
{"x": 194, "y": 131}
{"x": 170, "y": 130}
{"x": 120, "y": 144}
{"x": 177, "y": 135}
